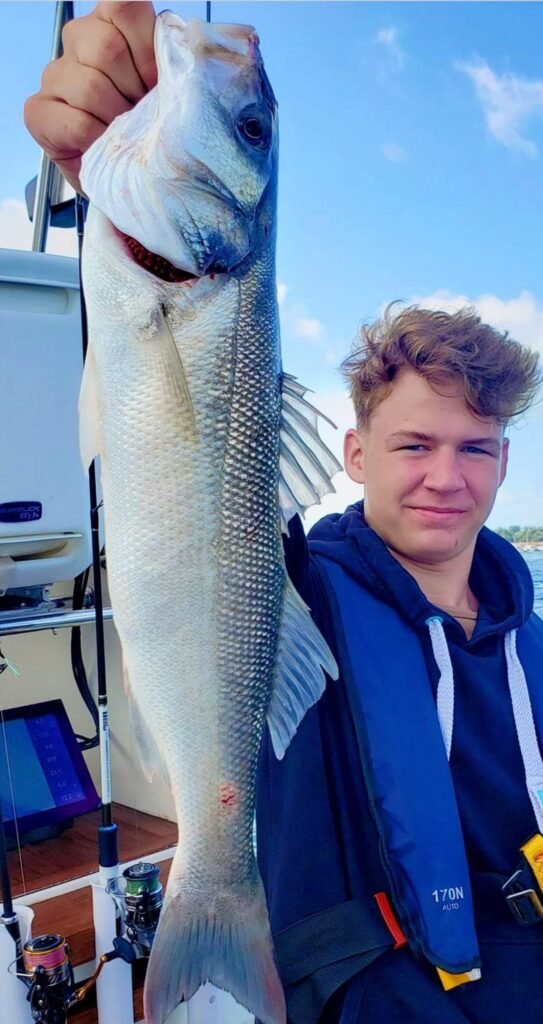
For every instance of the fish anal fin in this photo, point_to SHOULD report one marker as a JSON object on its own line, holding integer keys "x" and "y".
{"x": 152, "y": 761}
{"x": 302, "y": 661}
{"x": 90, "y": 426}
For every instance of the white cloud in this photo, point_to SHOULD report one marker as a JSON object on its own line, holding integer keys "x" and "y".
{"x": 281, "y": 292}
{"x": 297, "y": 322}
{"x": 396, "y": 154}
{"x": 521, "y": 316}
{"x": 16, "y": 231}
{"x": 309, "y": 328}
{"x": 388, "y": 39}
{"x": 508, "y": 102}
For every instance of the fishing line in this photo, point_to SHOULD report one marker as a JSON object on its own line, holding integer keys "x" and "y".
{"x": 12, "y": 797}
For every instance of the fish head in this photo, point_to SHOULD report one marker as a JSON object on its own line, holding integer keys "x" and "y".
{"x": 188, "y": 176}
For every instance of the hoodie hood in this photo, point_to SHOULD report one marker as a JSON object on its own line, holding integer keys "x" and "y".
{"x": 499, "y": 577}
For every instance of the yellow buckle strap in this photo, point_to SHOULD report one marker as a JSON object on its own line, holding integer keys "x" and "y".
{"x": 450, "y": 981}
{"x": 533, "y": 853}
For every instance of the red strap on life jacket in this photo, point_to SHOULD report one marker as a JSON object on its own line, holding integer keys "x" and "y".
{"x": 390, "y": 919}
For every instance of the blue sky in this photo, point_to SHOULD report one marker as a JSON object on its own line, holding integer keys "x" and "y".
{"x": 411, "y": 168}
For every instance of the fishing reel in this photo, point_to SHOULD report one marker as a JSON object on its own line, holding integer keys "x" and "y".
{"x": 46, "y": 968}
{"x": 139, "y": 896}
{"x": 49, "y": 977}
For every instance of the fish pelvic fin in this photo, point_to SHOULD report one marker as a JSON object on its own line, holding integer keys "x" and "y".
{"x": 306, "y": 464}
{"x": 223, "y": 938}
{"x": 176, "y": 380}
{"x": 303, "y": 659}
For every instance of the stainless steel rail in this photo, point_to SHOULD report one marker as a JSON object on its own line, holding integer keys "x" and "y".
{"x": 50, "y": 181}
{"x": 31, "y": 622}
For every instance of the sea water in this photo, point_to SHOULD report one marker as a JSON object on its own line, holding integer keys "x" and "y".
{"x": 535, "y": 564}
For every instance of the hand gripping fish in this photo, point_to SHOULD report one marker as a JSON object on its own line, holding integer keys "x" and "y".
{"x": 207, "y": 450}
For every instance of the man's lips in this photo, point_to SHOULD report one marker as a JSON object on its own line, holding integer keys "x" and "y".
{"x": 439, "y": 510}
{"x": 437, "y": 516}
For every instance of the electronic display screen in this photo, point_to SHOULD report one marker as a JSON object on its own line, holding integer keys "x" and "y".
{"x": 43, "y": 777}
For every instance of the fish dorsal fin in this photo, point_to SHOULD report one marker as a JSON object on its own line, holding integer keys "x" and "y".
{"x": 306, "y": 464}
{"x": 150, "y": 756}
{"x": 90, "y": 432}
{"x": 303, "y": 659}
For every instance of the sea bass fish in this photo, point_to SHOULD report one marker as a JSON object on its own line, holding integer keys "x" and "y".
{"x": 207, "y": 450}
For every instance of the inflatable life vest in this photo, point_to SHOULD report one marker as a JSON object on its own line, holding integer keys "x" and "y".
{"x": 404, "y": 742}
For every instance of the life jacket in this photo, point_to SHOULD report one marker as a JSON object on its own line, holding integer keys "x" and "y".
{"x": 404, "y": 741}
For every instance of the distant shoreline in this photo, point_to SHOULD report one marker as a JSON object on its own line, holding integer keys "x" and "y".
{"x": 522, "y": 545}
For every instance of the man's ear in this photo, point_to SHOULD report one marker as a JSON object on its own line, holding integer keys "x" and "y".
{"x": 353, "y": 455}
{"x": 505, "y": 457}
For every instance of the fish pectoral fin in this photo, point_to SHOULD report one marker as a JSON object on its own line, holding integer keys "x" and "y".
{"x": 224, "y": 939}
{"x": 90, "y": 426}
{"x": 176, "y": 380}
{"x": 306, "y": 464}
{"x": 303, "y": 659}
{"x": 152, "y": 761}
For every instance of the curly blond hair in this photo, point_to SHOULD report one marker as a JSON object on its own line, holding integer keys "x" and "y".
{"x": 499, "y": 375}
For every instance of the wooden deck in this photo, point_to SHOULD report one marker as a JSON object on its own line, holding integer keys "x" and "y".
{"x": 73, "y": 855}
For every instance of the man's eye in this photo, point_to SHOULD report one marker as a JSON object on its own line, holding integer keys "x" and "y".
{"x": 414, "y": 448}
{"x": 474, "y": 450}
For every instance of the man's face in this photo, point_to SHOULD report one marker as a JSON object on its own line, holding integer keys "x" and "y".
{"x": 430, "y": 469}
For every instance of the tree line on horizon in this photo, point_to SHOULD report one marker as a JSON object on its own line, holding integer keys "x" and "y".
{"x": 521, "y": 534}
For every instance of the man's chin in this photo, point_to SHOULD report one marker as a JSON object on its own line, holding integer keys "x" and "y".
{"x": 437, "y": 545}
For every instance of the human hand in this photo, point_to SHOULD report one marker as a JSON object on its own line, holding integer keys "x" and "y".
{"x": 108, "y": 65}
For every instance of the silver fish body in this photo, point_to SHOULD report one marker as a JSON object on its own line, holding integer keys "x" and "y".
{"x": 199, "y": 431}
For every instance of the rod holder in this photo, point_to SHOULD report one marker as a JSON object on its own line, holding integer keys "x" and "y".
{"x": 13, "y": 991}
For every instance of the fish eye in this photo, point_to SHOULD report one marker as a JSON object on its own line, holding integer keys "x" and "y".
{"x": 254, "y": 129}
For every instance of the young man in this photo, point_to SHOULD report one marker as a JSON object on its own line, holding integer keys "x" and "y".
{"x": 398, "y": 813}
{"x": 400, "y": 809}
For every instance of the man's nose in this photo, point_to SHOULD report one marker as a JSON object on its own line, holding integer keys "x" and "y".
{"x": 444, "y": 472}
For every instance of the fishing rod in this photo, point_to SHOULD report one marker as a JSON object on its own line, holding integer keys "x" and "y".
{"x": 9, "y": 918}
{"x": 108, "y": 856}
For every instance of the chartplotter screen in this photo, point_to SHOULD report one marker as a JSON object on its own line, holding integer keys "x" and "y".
{"x": 43, "y": 777}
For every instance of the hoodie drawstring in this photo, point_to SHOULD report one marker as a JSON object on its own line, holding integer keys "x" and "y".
{"x": 445, "y": 686}
{"x": 524, "y": 722}
{"x": 520, "y": 700}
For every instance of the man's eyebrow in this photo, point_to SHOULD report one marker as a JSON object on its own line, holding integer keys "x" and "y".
{"x": 409, "y": 436}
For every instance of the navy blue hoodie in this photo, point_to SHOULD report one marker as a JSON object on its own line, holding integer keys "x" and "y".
{"x": 317, "y": 840}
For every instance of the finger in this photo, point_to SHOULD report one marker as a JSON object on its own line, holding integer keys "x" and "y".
{"x": 103, "y": 47}
{"x": 63, "y": 132}
{"x": 135, "y": 20}
{"x": 85, "y": 89}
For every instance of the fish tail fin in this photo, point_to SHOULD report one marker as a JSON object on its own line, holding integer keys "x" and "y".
{"x": 221, "y": 938}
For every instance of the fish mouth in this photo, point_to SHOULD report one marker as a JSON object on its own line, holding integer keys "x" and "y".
{"x": 154, "y": 264}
